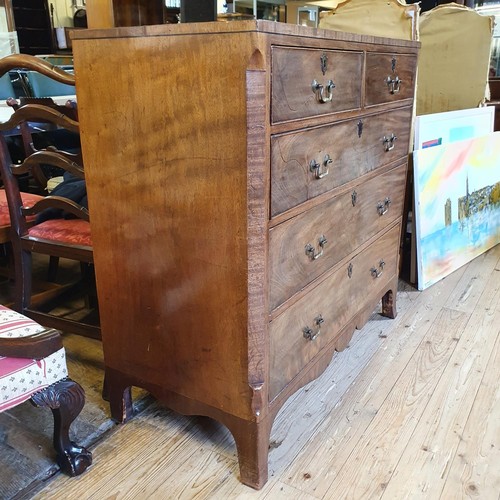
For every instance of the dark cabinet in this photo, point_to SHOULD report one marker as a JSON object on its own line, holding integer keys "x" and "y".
{"x": 33, "y": 26}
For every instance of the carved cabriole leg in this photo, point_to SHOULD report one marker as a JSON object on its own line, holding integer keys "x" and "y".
{"x": 66, "y": 399}
{"x": 118, "y": 392}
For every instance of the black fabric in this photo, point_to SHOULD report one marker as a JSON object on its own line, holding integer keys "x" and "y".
{"x": 72, "y": 188}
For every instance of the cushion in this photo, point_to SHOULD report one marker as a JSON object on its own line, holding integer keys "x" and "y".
{"x": 22, "y": 377}
{"x": 28, "y": 200}
{"x": 70, "y": 231}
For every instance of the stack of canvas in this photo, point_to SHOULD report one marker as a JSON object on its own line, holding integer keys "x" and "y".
{"x": 457, "y": 190}
{"x": 456, "y": 154}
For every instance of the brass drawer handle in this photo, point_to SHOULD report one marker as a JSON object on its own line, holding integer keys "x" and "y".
{"x": 319, "y": 90}
{"x": 311, "y": 251}
{"x": 394, "y": 84}
{"x": 389, "y": 142}
{"x": 376, "y": 273}
{"x": 309, "y": 333}
{"x": 383, "y": 207}
{"x": 320, "y": 171}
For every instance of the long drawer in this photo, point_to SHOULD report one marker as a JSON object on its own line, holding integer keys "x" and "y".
{"x": 311, "y": 82}
{"x": 307, "y": 163}
{"x": 389, "y": 77}
{"x": 304, "y": 247}
{"x": 311, "y": 323}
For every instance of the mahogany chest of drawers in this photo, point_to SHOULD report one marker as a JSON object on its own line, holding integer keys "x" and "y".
{"x": 246, "y": 185}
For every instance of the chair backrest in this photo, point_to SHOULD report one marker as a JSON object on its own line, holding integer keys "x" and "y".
{"x": 39, "y": 74}
{"x": 24, "y": 115}
{"x": 39, "y": 77}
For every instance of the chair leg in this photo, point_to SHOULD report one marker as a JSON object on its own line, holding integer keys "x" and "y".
{"x": 22, "y": 285}
{"x": 53, "y": 268}
{"x": 66, "y": 399}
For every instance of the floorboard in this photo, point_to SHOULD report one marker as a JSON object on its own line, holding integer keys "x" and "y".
{"x": 410, "y": 410}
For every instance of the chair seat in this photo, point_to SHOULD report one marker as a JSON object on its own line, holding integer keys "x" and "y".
{"x": 28, "y": 201}
{"x": 22, "y": 377}
{"x": 68, "y": 231}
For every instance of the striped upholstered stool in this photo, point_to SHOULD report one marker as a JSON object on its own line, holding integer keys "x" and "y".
{"x": 33, "y": 366}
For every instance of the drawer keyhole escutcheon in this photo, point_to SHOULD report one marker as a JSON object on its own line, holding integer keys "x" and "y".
{"x": 324, "y": 63}
{"x": 393, "y": 84}
{"x": 311, "y": 334}
{"x": 389, "y": 142}
{"x": 319, "y": 90}
{"x": 383, "y": 207}
{"x": 376, "y": 273}
{"x": 321, "y": 170}
{"x": 311, "y": 251}
{"x": 349, "y": 270}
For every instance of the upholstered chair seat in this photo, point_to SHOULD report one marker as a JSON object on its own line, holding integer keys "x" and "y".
{"x": 41, "y": 376}
{"x": 66, "y": 231}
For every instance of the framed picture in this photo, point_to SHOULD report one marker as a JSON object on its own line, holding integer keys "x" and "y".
{"x": 443, "y": 128}
{"x": 457, "y": 204}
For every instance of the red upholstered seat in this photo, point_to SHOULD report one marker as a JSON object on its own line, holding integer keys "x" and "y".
{"x": 28, "y": 201}
{"x": 68, "y": 231}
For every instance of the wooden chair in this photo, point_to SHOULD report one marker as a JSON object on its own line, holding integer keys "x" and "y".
{"x": 61, "y": 237}
{"x": 33, "y": 367}
{"x": 49, "y": 73}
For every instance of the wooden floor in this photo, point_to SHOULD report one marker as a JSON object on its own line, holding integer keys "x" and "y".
{"x": 410, "y": 410}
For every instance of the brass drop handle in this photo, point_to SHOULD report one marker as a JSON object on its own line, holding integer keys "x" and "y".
{"x": 389, "y": 142}
{"x": 320, "y": 170}
{"x": 383, "y": 207}
{"x": 376, "y": 273}
{"x": 311, "y": 251}
{"x": 319, "y": 90}
{"x": 309, "y": 333}
{"x": 394, "y": 84}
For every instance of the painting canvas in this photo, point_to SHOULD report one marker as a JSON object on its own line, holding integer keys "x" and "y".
{"x": 452, "y": 126}
{"x": 457, "y": 203}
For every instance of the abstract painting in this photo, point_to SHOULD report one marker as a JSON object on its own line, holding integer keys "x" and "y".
{"x": 457, "y": 204}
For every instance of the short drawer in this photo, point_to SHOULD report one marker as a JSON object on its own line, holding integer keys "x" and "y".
{"x": 311, "y": 82}
{"x": 310, "y": 162}
{"x": 389, "y": 77}
{"x": 313, "y": 322}
{"x": 304, "y": 247}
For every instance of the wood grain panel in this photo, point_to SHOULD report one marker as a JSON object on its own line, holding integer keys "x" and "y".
{"x": 352, "y": 153}
{"x": 346, "y": 222}
{"x": 336, "y": 300}
{"x": 381, "y": 67}
{"x": 171, "y": 169}
{"x": 293, "y": 71}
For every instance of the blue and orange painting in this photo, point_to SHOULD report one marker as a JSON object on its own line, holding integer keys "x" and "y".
{"x": 457, "y": 200}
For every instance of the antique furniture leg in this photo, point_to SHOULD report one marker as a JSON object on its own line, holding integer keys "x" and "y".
{"x": 66, "y": 399}
{"x": 252, "y": 444}
{"x": 118, "y": 393}
{"x": 389, "y": 302}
